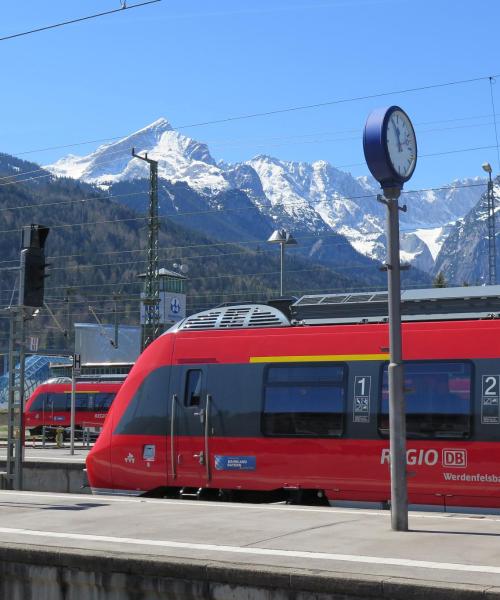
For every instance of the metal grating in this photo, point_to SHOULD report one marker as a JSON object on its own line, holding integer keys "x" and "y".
{"x": 234, "y": 317}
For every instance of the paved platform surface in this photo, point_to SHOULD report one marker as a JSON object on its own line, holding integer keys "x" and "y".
{"x": 449, "y": 548}
{"x": 50, "y": 454}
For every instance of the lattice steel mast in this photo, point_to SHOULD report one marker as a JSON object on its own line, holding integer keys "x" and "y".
{"x": 151, "y": 298}
{"x": 492, "y": 251}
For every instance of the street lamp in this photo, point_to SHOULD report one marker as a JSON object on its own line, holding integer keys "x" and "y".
{"x": 283, "y": 238}
{"x": 492, "y": 254}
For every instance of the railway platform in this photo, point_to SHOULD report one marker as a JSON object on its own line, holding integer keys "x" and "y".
{"x": 77, "y": 547}
{"x": 51, "y": 469}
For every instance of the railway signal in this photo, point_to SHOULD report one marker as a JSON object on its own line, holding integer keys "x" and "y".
{"x": 32, "y": 278}
{"x": 31, "y": 291}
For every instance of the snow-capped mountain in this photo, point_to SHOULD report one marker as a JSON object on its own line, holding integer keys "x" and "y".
{"x": 179, "y": 157}
{"x": 313, "y": 197}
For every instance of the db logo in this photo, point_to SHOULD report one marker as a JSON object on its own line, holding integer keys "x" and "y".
{"x": 454, "y": 458}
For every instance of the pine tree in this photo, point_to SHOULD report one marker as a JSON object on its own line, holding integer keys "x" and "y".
{"x": 439, "y": 281}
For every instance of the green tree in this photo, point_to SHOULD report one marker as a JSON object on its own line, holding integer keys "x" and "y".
{"x": 439, "y": 281}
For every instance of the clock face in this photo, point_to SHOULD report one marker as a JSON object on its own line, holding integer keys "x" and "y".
{"x": 401, "y": 144}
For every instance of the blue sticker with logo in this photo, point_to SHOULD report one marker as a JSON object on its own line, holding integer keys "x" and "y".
{"x": 59, "y": 418}
{"x": 235, "y": 463}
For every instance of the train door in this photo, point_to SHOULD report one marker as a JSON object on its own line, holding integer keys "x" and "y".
{"x": 48, "y": 409}
{"x": 189, "y": 461}
{"x": 59, "y": 405}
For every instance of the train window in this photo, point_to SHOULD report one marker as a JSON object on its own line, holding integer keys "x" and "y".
{"x": 147, "y": 411}
{"x": 103, "y": 401}
{"x": 57, "y": 402}
{"x": 193, "y": 388}
{"x": 83, "y": 401}
{"x": 301, "y": 373}
{"x": 304, "y": 401}
{"x": 38, "y": 403}
{"x": 438, "y": 400}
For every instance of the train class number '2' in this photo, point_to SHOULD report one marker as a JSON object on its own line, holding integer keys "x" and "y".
{"x": 291, "y": 401}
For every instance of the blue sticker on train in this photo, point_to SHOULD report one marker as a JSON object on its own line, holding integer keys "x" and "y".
{"x": 235, "y": 463}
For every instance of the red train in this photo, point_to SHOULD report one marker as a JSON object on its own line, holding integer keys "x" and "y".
{"x": 50, "y": 406}
{"x": 254, "y": 402}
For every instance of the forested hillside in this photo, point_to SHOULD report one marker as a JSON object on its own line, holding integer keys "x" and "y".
{"x": 96, "y": 252}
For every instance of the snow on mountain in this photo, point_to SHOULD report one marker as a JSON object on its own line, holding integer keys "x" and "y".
{"x": 349, "y": 206}
{"x": 464, "y": 255}
{"x": 313, "y": 197}
{"x": 179, "y": 157}
{"x": 433, "y": 238}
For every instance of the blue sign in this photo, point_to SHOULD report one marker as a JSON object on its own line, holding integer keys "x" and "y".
{"x": 175, "y": 306}
{"x": 235, "y": 463}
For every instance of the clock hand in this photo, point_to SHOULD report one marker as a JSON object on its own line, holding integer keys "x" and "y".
{"x": 396, "y": 129}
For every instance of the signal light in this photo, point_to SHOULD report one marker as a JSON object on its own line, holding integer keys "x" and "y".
{"x": 32, "y": 281}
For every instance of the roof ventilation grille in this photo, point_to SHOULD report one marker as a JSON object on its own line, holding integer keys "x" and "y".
{"x": 235, "y": 317}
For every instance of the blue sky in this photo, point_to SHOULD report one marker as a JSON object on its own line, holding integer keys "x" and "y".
{"x": 193, "y": 61}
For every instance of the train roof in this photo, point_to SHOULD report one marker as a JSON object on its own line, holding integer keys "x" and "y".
{"x": 434, "y": 304}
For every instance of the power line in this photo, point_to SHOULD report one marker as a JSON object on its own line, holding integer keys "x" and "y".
{"x": 218, "y": 211}
{"x": 99, "y": 161}
{"x": 431, "y": 155}
{"x": 79, "y": 201}
{"x": 278, "y": 111}
{"x": 109, "y": 12}
{"x": 334, "y": 102}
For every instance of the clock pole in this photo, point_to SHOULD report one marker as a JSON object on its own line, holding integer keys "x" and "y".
{"x": 397, "y": 412}
{"x": 390, "y": 148}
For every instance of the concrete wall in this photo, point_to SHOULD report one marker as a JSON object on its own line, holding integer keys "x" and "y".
{"x": 43, "y": 573}
{"x": 53, "y": 477}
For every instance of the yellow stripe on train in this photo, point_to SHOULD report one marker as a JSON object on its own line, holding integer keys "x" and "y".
{"x": 319, "y": 358}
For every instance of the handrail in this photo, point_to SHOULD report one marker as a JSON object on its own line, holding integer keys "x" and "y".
{"x": 207, "y": 431}
{"x": 172, "y": 435}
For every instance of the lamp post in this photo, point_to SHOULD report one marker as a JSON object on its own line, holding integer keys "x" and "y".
{"x": 492, "y": 254}
{"x": 283, "y": 238}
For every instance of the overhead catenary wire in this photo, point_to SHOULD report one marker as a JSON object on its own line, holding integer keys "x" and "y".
{"x": 80, "y": 201}
{"x": 227, "y": 276}
{"x": 336, "y": 101}
{"x": 333, "y": 270}
{"x": 46, "y": 173}
{"x": 279, "y": 111}
{"x": 220, "y": 210}
{"x": 78, "y": 20}
{"x": 275, "y": 138}
{"x": 200, "y": 212}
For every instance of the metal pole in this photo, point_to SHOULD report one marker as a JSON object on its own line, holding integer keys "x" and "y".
{"x": 491, "y": 233}
{"x": 282, "y": 265}
{"x": 18, "y": 474}
{"x": 11, "y": 400}
{"x": 397, "y": 417}
{"x": 73, "y": 407}
{"x": 115, "y": 310}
